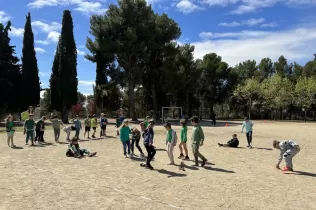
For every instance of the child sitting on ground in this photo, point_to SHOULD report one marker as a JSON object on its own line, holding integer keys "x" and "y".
{"x": 74, "y": 150}
{"x": 288, "y": 150}
{"x": 234, "y": 142}
{"x": 68, "y": 129}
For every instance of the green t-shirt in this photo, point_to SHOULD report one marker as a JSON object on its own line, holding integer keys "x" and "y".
{"x": 124, "y": 133}
{"x": 184, "y": 132}
{"x": 9, "y": 126}
{"x": 29, "y": 124}
{"x": 118, "y": 122}
{"x": 146, "y": 124}
{"x": 87, "y": 122}
{"x": 169, "y": 135}
{"x": 197, "y": 135}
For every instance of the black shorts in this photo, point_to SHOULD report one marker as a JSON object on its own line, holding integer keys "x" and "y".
{"x": 94, "y": 128}
{"x": 103, "y": 127}
{"x": 87, "y": 128}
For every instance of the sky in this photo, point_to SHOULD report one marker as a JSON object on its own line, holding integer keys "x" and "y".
{"x": 237, "y": 30}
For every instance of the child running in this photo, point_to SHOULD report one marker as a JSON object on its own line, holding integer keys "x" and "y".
{"x": 78, "y": 126}
{"x": 87, "y": 127}
{"x": 288, "y": 149}
{"x": 29, "y": 129}
{"x": 9, "y": 125}
{"x": 171, "y": 141}
{"x": 94, "y": 125}
{"x": 124, "y": 136}
{"x": 234, "y": 142}
{"x": 248, "y": 125}
{"x": 74, "y": 150}
{"x": 197, "y": 141}
{"x": 136, "y": 139}
{"x": 183, "y": 144}
{"x": 149, "y": 144}
{"x": 56, "y": 123}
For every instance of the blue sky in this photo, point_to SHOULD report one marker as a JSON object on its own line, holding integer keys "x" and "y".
{"x": 237, "y": 30}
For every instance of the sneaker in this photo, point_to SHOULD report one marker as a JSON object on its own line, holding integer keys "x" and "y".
{"x": 203, "y": 163}
{"x": 125, "y": 156}
{"x": 93, "y": 136}
{"x": 149, "y": 167}
{"x": 142, "y": 155}
{"x": 181, "y": 156}
{"x": 248, "y": 146}
{"x": 132, "y": 154}
{"x": 186, "y": 158}
{"x": 89, "y": 138}
{"x": 171, "y": 164}
{"x": 26, "y": 143}
{"x": 13, "y": 146}
{"x": 93, "y": 154}
{"x": 287, "y": 169}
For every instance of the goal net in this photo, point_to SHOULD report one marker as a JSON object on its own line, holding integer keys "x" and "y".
{"x": 171, "y": 114}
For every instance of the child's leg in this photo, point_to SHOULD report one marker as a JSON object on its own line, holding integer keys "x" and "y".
{"x": 68, "y": 135}
{"x": 42, "y": 136}
{"x": 58, "y": 133}
{"x": 27, "y": 137}
{"x": 171, "y": 153}
{"x": 124, "y": 147}
{"x": 84, "y": 151}
{"x": 185, "y": 149}
{"x": 32, "y": 137}
{"x": 12, "y": 143}
{"x": 8, "y": 139}
{"x": 250, "y": 137}
{"x": 138, "y": 147}
{"x": 288, "y": 157}
{"x": 180, "y": 147}
{"x": 128, "y": 147}
{"x": 77, "y": 132}
{"x": 132, "y": 146}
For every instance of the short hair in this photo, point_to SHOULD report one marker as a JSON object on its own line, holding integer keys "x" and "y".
{"x": 74, "y": 139}
{"x": 246, "y": 118}
{"x": 275, "y": 143}
{"x": 44, "y": 118}
{"x": 125, "y": 121}
{"x": 195, "y": 119}
{"x": 183, "y": 122}
{"x": 148, "y": 117}
{"x": 235, "y": 135}
{"x": 167, "y": 125}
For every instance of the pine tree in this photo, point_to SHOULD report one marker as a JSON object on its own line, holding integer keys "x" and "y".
{"x": 30, "y": 80}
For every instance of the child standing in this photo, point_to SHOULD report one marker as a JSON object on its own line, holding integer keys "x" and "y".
{"x": 78, "y": 126}
{"x": 146, "y": 122}
{"x": 29, "y": 129}
{"x": 124, "y": 136}
{"x": 184, "y": 131}
{"x": 117, "y": 125}
{"x": 103, "y": 124}
{"x": 87, "y": 126}
{"x": 74, "y": 150}
{"x": 288, "y": 149}
{"x": 248, "y": 125}
{"x": 234, "y": 142}
{"x": 68, "y": 130}
{"x": 56, "y": 123}
{"x": 149, "y": 144}
{"x": 94, "y": 125}
{"x": 171, "y": 141}
{"x": 136, "y": 139}
{"x": 10, "y": 130}
{"x": 197, "y": 141}
{"x": 40, "y": 126}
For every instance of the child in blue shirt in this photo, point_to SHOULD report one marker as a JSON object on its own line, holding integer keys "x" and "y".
{"x": 77, "y": 126}
{"x": 248, "y": 125}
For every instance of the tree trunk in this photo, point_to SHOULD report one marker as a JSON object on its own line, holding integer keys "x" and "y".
{"x": 64, "y": 115}
{"x": 132, "y": 100}
{"x": 187, "y": 100}
{"x": 154, "y": 97}
{"x": 211, "y": 110}
{"x": 305, "y": 113}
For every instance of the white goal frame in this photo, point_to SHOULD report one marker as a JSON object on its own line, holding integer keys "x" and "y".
{"x": 162, "y": 116}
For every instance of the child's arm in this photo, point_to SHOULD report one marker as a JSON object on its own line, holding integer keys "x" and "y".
{"x": 243, "y": 126}
{"x": 185, "y": 138}
{"x": 279, "y": 160}
{"x": 201, "y": 136}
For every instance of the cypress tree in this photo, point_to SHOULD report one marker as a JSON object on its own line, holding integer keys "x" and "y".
{"x": 53, "y": 81}
{"x": 30, "y": 80}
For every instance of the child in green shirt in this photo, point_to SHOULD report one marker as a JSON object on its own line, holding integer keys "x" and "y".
{"x": 170, "y": 141}
{"x": 29, "y": 129}
{"x": 10, "y": 130}
{"x": 124, "y": 136}
{"x": 183, "y": 144}
{"x": 197, "y": 141}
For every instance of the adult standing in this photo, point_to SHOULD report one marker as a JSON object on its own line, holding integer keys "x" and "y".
{"x": 249, "y": 129}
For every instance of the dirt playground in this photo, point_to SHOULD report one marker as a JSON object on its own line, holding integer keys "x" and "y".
{"x": 42, "y": 177}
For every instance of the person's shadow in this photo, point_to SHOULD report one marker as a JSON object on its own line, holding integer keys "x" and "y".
{"x": 302, "y": 173}
{"x": 218, "y": 170}
{"x": 170, "y": 173}
{"x": 17, "y": 147}
{"x": 261, "y": 148}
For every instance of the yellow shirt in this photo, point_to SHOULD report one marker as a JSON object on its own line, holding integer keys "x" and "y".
{"x": 93, "y": 123}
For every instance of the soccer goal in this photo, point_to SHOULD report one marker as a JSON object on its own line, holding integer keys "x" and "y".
{"x": 171, "y": 114}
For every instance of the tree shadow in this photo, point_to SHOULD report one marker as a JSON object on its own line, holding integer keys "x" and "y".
{"x": 262, "y": 148}
{"x": 17, "y": 147}
{"x": 303, "y": 173}
{"x": 218, "y": 170}
{"x": 161, "y": 150}
{"x": 170, "y": 173}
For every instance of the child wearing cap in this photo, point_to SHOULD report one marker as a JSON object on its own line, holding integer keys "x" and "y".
{"x": 29, "y": 129}
{"x": 197, "y": 141}
{"x": 171, "y": 141}
{"x": 124, "y": 136}
{"x": 183, "y": 144}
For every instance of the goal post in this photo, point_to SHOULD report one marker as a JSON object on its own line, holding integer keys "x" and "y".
{"x": 171, "y": 113}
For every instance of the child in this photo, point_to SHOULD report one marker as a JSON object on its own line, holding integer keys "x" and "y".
{"x": 234, "y": 142}
{"x": 10, "y": 130}
{"x": 94, "y": 125}
{"x": 184, "y": 131}
{"x": 74, "y": 150}
{"x": 103, "y": 124}
{"x": 248, "y": 125}
{"x": 68, "y": 129}
{"x": 146, "y": 123}
{"x": 56, "y": 126}
{"x": 170, "y": 141}
{"x": 124, "y": 136}
{"x": 197, "y": 141}
{"x": 87, "y": 126}
{"x": 149, "y": 144}
{"x": 40, "y": 126}
{"x": 288, "y": 149}
{"x": 29, "y": 129}
{"x": 78, "y": 126}
{"x": 117, "y": 125}
{"x": 136, "y": 138}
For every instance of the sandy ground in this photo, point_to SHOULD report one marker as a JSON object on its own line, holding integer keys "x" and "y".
{"x": 240, "y": 179}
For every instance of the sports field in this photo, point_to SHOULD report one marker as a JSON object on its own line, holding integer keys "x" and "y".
{"x": 240, "y": 179}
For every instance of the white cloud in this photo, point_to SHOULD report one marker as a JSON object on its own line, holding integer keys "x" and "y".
{"x": 18, "y": 32}
{"x": 40, "y": 50}
{"x": 42, "y": 93}
{"x": 53, "y": 36}
{"x": 295, "y": 45}
{"x": 45, "y": 27}
{"x": 85, "y": 83}
{"x": 43, "y": 42}
{"x": 186, "y": 6}
{"x": 269, "y": 25}
{"x": 80, "y": 52}
{"x": 83, "y": 6}
{"x": 249, "y": 22}
{"x": 43, "y": 74}
{"x": 4, "y": 17}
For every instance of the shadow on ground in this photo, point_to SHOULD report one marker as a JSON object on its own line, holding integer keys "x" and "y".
{"x": 17, "y": 147}
{"x": 218, "y": 170}
{"x": 302, "y": 173}
{"x": 170, "y": 173}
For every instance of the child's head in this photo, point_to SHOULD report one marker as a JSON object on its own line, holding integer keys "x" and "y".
{"x": 234, "y": 136}
{"x": 183, "y": 122}
{"x": 10, "y": 118}
{"x": 194, "y": 120}
{"x": 74, "y": 140}
{"x": 151, "y": 123}
{"x": 43, "y": 118}
{"x": 246, "y": 119}
{"x": 77, "y": 116}
{"x": 167, "y": 125}
{"x": 276, "y": 144}
{"x": 30, "y": 116}
{"x": 125, "y": 122}
{"x": 30, "y": 109}
{"x": 148, "y": 118}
